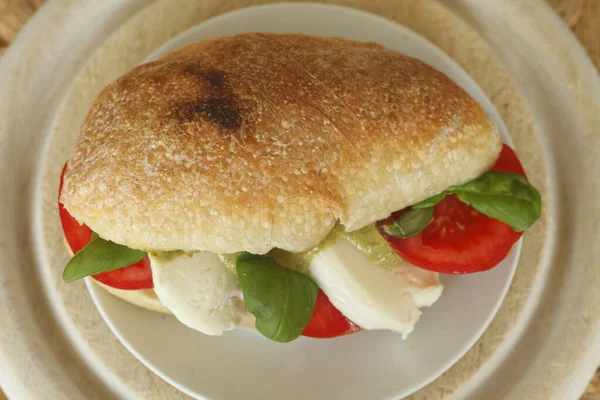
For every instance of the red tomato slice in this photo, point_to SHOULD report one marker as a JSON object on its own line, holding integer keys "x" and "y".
{"x": 327, "y": 321}
{"x": 459, "y": 240}
{"x": 132, "y": 277}
{"x": 508, "y": 162}
{"x": 77, "y": 235}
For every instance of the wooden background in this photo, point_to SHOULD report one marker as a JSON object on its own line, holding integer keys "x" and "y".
{"x": 582, "y": 16}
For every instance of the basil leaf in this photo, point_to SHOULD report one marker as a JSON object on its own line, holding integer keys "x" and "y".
{"x": 100, "y": 256}
{"x": 282, "y": 300}
{"x": 505, "y": 196}
{"x": 430, "y": 201}
{"x": 409, "y": 223}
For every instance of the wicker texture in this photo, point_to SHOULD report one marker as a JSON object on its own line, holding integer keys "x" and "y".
{"x": 582, "y": 16}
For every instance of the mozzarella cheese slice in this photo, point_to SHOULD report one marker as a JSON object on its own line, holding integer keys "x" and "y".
{"x": 205, "y": 295}
{"x": 373, "y": 296}
{"x": 199, "y": 290}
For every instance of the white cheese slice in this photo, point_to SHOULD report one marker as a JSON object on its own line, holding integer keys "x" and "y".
{"x": 199, "y": 290}
{"x": 373, "y": 296}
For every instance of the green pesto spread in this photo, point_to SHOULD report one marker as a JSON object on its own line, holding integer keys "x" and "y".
{"x": 229, "y": 261}
{"x": 301, "y": 261}
{"x": 166, "y": 256}
{"x": 295, "y": 261}
{"x": 367, "y": 240}
{"x": 372, "y": 245}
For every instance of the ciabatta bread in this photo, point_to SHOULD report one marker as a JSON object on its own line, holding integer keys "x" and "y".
{"x": 259, "y": 141}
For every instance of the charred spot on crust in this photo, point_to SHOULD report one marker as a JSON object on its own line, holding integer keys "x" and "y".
{"x": 216, "y": 78}
{"x": 217, "y": 101}
{"x": 222, "y": 111}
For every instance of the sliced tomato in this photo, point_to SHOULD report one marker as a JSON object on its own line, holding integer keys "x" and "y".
{"x": 327, "y": 321}
{"x": 459, "y": 240}
{"x": 132, "y": 277}
{"x": 508, "y": 162}
{"x": 77, "y": 235}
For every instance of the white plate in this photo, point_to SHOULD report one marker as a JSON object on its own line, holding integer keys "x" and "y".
{"x": 368, "y": 365}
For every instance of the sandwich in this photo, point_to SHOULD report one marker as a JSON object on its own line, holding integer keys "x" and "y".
{"x": 299, "y": 185}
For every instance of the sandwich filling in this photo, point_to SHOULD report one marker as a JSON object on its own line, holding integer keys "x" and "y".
{"x": 359, "y": 273}
{"x": 376, "y": 277}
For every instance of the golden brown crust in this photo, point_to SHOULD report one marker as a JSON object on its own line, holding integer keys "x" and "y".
{"x": 258, "y": 141}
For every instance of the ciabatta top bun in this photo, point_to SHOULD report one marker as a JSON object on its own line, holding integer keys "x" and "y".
{"x": 257, "y": 141}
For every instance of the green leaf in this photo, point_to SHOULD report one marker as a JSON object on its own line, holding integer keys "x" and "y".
{"x": 282, "y": 300}
{"x": 430, "y": 201}
{"x": 505, "y": 196}
{"x": 409, "y": 223}
{"x": 100, "y": 256}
